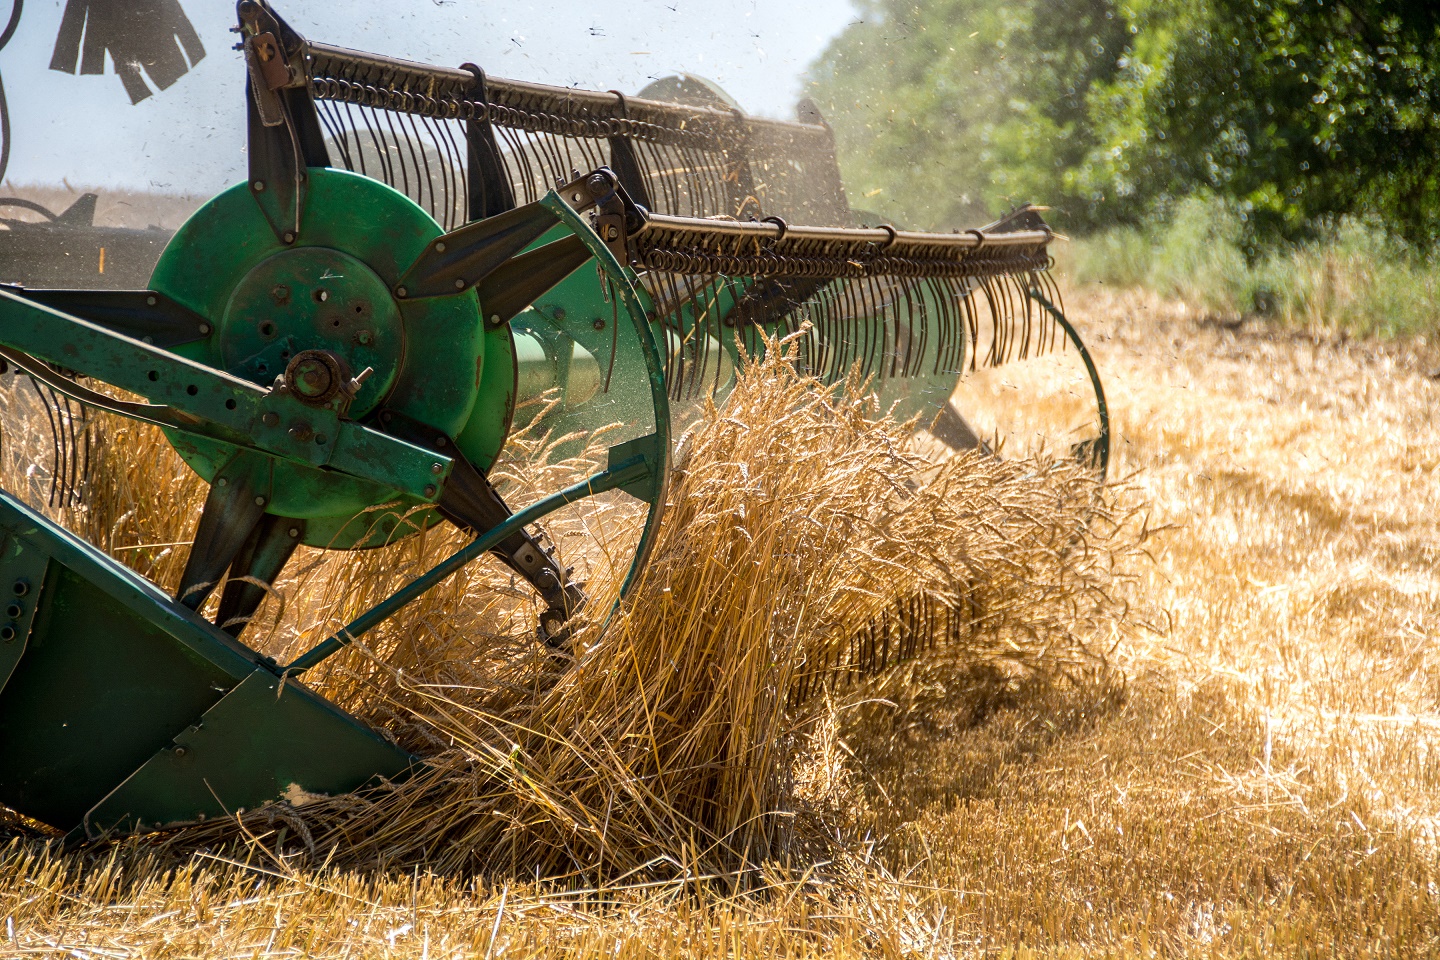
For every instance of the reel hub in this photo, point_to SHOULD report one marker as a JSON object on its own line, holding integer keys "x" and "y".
{"x": 314, "y": 299}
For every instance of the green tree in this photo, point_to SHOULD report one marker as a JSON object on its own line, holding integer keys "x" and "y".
{"x": 1297, "y": 111}
{"x": 951, "y": 111}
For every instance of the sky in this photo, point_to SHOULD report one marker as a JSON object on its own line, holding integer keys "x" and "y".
{"x": 189, "y": 138}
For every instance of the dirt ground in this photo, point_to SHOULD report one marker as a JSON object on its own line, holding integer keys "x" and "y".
{"x": 1264, "y": 784}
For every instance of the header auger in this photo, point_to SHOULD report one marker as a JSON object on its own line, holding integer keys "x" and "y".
{"x": 341, "y": 348}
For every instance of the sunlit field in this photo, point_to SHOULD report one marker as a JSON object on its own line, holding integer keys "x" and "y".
{"x": 1196, "y": 714}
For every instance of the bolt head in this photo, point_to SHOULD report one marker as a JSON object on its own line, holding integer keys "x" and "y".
{"x": 599, "y": 324}
{"x": 437, "y": 468}
{"x": 270, "y": 419}
{"x": 430, "y": 490}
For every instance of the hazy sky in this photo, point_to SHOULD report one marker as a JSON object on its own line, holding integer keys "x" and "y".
{"x": 190, "y": 138}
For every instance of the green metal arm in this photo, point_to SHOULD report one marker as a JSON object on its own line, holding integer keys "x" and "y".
{"x": 636, "y": 469}
{"x": 1102, "y": 442}
{"x": 209, "y": 403}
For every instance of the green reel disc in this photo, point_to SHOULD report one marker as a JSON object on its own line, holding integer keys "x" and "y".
{"x": 431, "y": 360}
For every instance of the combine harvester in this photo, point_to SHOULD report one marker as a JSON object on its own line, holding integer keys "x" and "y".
{"x": 421, "y": 260}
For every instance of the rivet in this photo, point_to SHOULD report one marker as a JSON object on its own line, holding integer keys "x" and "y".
{"x": 270, "y": 419}
{"x": 151, "y": 301}
{"x": 441, "y": 441}
{"x": 401, "y": 292}
{"x": 204, "y": 329}
{"x": 294, "y": 531}
{"x": 459, "y": 284}
{"x": 288, "y": 237}
{"x": 599, "y": 324}
{"x": 258, "y": 186}
{"x": 181, "y": 751}
{"x": 259, "y": 501}
{"x": 440, "y": 246}
{"x": 495, "y": 319}
{"x": 430, "y": 490}
{"x": 437, "y": 468}
{"x": 222, "y": 482}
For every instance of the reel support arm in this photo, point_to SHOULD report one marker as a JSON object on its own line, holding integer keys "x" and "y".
{"x": 637, "y": 469}
{"x": 1096, "y": 450}
{"x": 212, "y": 404}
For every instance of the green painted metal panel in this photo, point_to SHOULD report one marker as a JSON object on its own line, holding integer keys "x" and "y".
{"x": 115, "y": 674}
{"x": 22, "y": 579}
{"x": 113, "y": 669}
{"x": 261, "y": 743}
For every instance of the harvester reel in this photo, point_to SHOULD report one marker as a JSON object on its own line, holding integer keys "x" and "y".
{"x": 343, "y": 360}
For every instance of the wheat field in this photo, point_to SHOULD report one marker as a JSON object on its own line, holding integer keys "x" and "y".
{"x": 1227, "y": 749}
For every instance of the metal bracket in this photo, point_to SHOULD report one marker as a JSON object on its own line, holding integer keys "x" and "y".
{"x": 615, "y": 215}
{"x": 265, "y": 60}
{"x": 284, "y": 135}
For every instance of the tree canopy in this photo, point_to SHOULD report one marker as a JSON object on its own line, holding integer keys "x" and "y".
{"x": 1297, "y": 112}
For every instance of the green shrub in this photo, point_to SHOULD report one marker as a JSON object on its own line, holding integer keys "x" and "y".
{"x": 1357, "y": 278}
